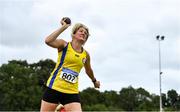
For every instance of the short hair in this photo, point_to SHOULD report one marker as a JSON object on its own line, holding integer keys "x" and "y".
{"x": 76, "y": 28}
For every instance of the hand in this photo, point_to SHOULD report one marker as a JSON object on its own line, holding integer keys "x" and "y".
{"x": 64, "y": 24}
{"x": 96, "y": 84}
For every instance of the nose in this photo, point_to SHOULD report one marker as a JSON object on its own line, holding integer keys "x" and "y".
{"x": 83, "y": 32}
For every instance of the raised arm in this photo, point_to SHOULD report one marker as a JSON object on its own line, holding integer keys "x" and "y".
{"x": 90, "y": 73}
{"x": 52, "y": 40}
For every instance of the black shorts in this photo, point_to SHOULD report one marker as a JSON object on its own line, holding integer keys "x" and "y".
{"x": 56, "y": 97}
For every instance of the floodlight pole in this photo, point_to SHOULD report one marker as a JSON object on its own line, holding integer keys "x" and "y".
{"x": 160, "y": 38}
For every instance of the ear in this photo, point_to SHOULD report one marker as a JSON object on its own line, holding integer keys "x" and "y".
{"x": 73, "y": 35}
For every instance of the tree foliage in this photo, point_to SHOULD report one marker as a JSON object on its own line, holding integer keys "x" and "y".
{"x": 22, "y": 86}
{"x": 19, "y": 84}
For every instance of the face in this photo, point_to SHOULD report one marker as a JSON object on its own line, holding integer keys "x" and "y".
{"x": 81, "y": 34}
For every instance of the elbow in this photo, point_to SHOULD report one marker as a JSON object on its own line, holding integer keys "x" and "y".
{"x": 46, "y": 41}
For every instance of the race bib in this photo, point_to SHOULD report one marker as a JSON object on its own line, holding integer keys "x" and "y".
{"x": 69, "y": 75}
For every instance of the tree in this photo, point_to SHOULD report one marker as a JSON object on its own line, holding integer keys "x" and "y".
{"x": 177, "y": 104}
{"x": 172, "y": 98}
{"x": 111, "y": 100}
{"x": 155, "y": 102}
{"x": 21, "y": 90}
{"x": 164, "y": 100}
{"x": 143, "y": 100}
{"x": 91, "y": 96}
{"x": 43, "y": 68}
{"x": 127, "y": 98}
{"x": 19, "y": 84}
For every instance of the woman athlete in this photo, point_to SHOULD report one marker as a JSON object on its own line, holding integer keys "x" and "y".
{"x": 62, "y": 85}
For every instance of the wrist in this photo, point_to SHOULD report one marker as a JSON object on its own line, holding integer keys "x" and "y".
{"x": 62, "y": 28}
{"x": 94, "y": 80}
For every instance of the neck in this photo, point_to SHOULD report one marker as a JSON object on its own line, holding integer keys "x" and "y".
{"x": 76, "y": 46}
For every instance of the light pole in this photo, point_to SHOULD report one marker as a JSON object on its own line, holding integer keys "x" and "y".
{"x": 160, "y": 38}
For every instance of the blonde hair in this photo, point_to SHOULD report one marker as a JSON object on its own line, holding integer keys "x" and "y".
{"x": 76, "y": 28}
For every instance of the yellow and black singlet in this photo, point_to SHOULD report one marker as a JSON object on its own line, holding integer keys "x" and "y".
{"x": 64, "y": 77}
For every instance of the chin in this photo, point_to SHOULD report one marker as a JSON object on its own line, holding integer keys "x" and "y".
{"x": 82, "y": 39}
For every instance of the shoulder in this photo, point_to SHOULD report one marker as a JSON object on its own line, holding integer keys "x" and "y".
{"x": 63, "y": 44}
{"x": 87, "y": 55}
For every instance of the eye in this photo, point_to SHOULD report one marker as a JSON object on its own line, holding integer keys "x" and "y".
{"x": 80, "y": 30}
{"x": 85, "y": 32}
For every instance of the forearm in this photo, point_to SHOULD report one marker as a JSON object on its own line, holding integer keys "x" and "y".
{"x": 53, "y": 36}
{"x": 91, "y": 76}
{"x": 90, "y": 73}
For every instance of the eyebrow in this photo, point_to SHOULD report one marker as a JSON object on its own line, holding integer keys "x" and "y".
{"x": 84, "y": 30}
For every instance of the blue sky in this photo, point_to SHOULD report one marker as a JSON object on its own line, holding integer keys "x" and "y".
{"x": 122, "y": 45}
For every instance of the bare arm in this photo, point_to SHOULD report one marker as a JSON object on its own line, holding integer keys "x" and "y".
{"x": 90, "y": 73}
{"x": 52, "y": 40}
